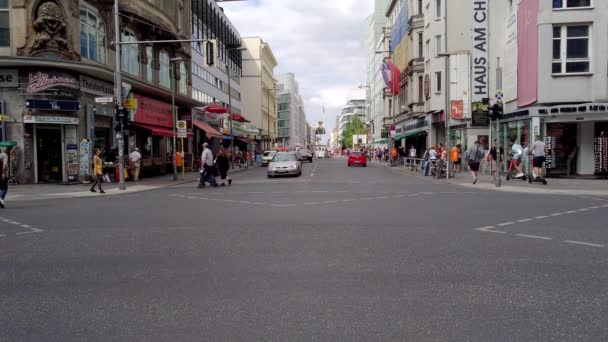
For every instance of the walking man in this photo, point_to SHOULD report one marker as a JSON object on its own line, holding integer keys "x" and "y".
{"x": 98, "y": 171}
{"x": 473, "y": 157}
{"x": 135, "y": 161}
{"x": 207, "y": 174}
{"x": 3, "y": 175}
{"x": 539, "y": 149}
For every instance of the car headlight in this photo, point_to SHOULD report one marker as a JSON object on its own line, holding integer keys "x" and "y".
{"x": 293, "y": 167}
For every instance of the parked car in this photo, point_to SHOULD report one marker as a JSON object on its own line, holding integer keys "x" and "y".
{"x": 285, "y": 164}
{"x": 267, "y": 157}
{"x": 357, "y": 158}
{"x": 305, "y": 155}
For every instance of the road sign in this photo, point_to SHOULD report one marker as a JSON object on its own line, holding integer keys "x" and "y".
{"x": 104, "y": 99}
{"x": 182, "y": 129}
{"x": 499, "y": 95}
{"x": 130, "y": 104}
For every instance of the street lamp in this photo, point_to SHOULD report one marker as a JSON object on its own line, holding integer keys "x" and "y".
{"x": 174, "y": 111}
{"x": 448, "y": 109}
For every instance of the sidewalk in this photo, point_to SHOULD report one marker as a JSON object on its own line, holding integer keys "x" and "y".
{"x": 555, "y": 186}
{"x": 33, "y": 192}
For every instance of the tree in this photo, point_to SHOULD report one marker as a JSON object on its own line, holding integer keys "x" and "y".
{"x": 355, "y": 127}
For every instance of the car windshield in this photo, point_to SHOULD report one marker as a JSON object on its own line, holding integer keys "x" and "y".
{"x": 355, "y": 154}
{"x": 283, "y": 157}
{"x": 269, "y": 153}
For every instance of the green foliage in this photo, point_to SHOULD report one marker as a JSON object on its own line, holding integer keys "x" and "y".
{"x": 355, "y": 127}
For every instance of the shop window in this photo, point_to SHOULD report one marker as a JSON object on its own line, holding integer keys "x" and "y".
{"x": 5, "y": 32}
{"x": 571, "y": 49}
{"x": 92, "y": 35}
{"x": 564, "y": 4}
{"x": 183, "y": 79}
{"x": 164, "y": 74}
{"x": 129, "y": 59}
{"x": 150, "y": 64}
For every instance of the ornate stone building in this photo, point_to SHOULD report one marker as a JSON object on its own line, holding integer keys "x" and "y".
{"x": 57, "y": 60}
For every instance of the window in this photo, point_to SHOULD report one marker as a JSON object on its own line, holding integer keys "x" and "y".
{"x": 164, "y": 74}
{"x": 438, "y": 9}
{"x": 428, "y": 49}
{"x": 438, "y": 45}
{"x": 571, "y": 49}
{"x": 420, "y": 52}
{"x": 129, "y": 59}
{"x": 5, "y": 32}
{"x": 560, "y": 4}
{"x": 92, "y": 35}
{"x": 180, "y": 21}
{"x": 419, "y": 7}
{"x": 150, "y": 64}
{"x": 438, "y": 82}
{"x": 420, "y": 89}
{"x": 183, "y": 79}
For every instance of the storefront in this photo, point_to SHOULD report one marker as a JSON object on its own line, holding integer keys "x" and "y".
{"x": 414, "y": 133}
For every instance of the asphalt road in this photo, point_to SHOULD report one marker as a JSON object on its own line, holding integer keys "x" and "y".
{"x": 357, "y": 254}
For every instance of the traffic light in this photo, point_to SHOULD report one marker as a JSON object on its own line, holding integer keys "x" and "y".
{"x": 121, "y": 116}
{"x": 210, "y": 52}
{"x": 497, "y": 111}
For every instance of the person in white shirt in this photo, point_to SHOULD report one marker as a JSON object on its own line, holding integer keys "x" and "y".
{"x": 135, "y": 163}
{"x": 517, "y": 152}
{"x": 207, "y": 173}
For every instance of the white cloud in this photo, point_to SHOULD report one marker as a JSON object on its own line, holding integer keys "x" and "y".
{"x": 321, "y": 41}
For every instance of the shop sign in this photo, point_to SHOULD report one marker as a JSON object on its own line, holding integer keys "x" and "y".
{"x": 9, "y": 78}
{"x": 182, "y": 129}
{"x": 43, "y": 119}
{"x": 58, "y": 105}
{"x": 480, "y": 50}
{"x": 480, "y": 115}
{"x": 457, "y": 109}
{"x": 96, "y": 87}
{"x": 130, "y": 104}
{"x": 153, "y": 112}
{"x": 38, "y": 81}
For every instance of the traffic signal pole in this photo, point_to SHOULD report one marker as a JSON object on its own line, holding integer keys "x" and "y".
{"x": 118, "y": 95}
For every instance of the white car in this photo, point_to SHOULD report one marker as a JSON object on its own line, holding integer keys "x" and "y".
{"x": 285, "y": 164}
{"x": 267, "y": 157}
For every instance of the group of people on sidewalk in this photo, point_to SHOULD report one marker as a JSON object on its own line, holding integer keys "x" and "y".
{"x": 98, "y": 176}
{"x": 214, "y": 167}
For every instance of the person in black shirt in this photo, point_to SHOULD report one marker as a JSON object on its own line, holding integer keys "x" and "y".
{"x": 222, "y": 163}
{"x": 493, "y": 157}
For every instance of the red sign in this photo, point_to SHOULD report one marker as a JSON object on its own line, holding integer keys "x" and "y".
{"x": 153, "y": 112}
{"x": 457, "y": 111}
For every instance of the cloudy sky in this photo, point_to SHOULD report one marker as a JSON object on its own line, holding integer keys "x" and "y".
{"x": 321, "y": 41}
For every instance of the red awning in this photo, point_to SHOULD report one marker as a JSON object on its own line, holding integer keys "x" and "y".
{"x": 243, "y": 140}
{"x": 217, "y": 109}
{"x": 212, "y": 132}
{"x": 158, "y": 131}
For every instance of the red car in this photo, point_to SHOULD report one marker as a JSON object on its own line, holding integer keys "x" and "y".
{"x": 357, "y": 158}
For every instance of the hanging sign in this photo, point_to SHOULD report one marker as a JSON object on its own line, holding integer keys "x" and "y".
{"x": 480, "y": 50}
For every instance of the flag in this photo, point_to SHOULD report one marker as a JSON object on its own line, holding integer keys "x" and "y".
{"x": 391, "y": 75}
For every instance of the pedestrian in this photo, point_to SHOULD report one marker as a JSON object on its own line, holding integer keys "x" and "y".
{"x": 539, "y": 150}
{"x": 223, "y": 165}
{"x": 135, "y": 163}
{"x": 207, "y": 173}
{"x": 3, "y": 175}
{"x": 473, "y": 157}
{"x": 493, "y": 156}
{"x": 455, "y": 157}
{"x": 517, "y": 153}
{"x": 394, "y": 155}
{"x": 98, "y": 171}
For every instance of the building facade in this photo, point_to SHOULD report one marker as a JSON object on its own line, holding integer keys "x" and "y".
{"x": 291, "y": 115}
{"x": 259, "y": 96}
{"x": 353, "y": 108}
{"x": 59, "y": 59}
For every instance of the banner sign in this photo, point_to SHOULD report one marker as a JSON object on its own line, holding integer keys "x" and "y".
{"x": 58, "y": 105}
{"x": 456, "y": 111}
{"x": 41, "y": 119}
{"x": 480, "y": 50}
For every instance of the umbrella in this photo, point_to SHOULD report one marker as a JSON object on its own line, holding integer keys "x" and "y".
{"x": 215, "y": 109}
{"x": 238, "y": 117}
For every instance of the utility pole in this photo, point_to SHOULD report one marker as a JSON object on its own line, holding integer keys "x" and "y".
{"x": 118, "y": 95}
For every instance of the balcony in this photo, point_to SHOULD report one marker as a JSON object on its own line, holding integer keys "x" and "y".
{"x": 415, "y": 65}
{"x": 416, "y": 22}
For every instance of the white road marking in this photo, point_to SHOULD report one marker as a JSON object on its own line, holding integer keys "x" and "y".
{"x": 525, "y": 220}
{"x": 255, "y": 192}
{"x": 258, "y": 203}
{"x": 570, "y": 212}
{"x": 541, "y": 217}
{"x": 489, "y": 230}
{"x": 585, "y": 243}
{"x": 330, "y": 202}
{"x": 535, "y": 236}
{"x": 365, "y": 199}
{"x": 311, "y": 203}
{"x": 605, "y": 206}
{"x": 244, "y": 202}
{"x": 349, "y": 200}
{"x": 557, "y": 214}
{"x": 382, "y": 197}
{"x": 595, "y": 207}
{"x": 506, "y": 224}
{"x": 319, "y": 191}
{"x": 32, "y": 230}
{"x": 583, "y": 209}
{"x": 231, "y": 201}
{"x": 283, "y": 205}
{"x": 314, "y": 170}
{"x": 342, "y": 191}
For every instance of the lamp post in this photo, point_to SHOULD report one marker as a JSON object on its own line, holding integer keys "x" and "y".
{"x": 174, "y": 112}
{"x": 448, "y": 109}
